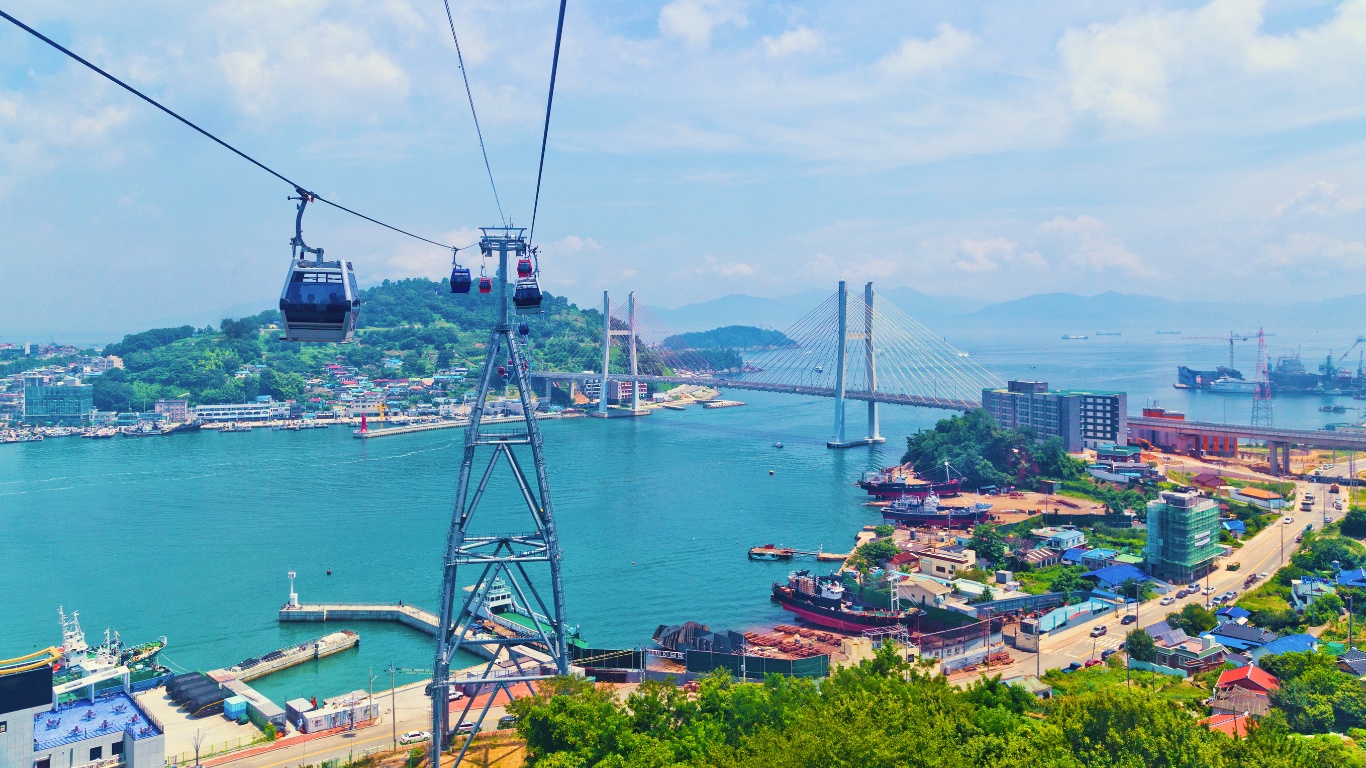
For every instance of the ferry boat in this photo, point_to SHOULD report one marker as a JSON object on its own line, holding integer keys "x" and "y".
{"x": 823, "y": 600}
{"x": 902, "y": 481}
{"x": 927, "y": 511}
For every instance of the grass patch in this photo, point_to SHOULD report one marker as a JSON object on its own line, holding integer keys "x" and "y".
{"x": 1188, "y": 693}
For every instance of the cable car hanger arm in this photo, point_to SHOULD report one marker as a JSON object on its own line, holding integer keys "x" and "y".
{"x": 76, "y": 57}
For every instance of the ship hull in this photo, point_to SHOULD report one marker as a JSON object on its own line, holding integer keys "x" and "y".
{"x": 835, "y": 618}
{"x": 954, "y": 519}
{"x": 895, "y": 490}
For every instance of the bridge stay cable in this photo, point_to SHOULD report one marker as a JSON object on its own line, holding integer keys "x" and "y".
{"x": 298, "y": 188}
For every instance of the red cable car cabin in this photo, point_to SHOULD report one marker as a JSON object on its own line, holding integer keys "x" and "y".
{"x": 485, "y": 285}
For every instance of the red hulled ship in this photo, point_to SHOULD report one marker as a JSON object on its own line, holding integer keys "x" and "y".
{"x": 823, "y": 600}
{"x": 902, "y": 481}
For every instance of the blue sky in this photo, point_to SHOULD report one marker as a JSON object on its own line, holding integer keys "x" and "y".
{"x": 699, "y": 148}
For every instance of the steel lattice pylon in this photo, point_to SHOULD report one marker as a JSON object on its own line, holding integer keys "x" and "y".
{"x": 501, "y": 559}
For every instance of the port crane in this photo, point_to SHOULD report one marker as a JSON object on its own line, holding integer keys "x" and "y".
{"x": 1231, "y": 338}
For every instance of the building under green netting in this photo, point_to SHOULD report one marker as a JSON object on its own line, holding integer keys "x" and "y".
{"x": 58, "y": 404}
{"x": 1183, "y": 536}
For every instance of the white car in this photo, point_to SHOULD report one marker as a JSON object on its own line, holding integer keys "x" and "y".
{"x": 1262, "y": 575}
{"x": 1168, "y": 600}
{"x": 1288, "y": 520}
{"x": 414, "y": 737}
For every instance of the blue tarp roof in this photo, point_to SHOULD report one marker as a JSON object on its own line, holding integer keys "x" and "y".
{"x": 1101, "y": 553}
{"x": 1117, "y": 574}
{"x": 1290, "y": 644}
{"x": 1234, "y": 525}
{"x": 1233, "y": 612}
{"x": 1073, "y": 555}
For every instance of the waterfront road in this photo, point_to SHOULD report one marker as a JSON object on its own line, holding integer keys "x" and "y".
{"x": 413, "y": 714}
{"x": 1264, "y": 553}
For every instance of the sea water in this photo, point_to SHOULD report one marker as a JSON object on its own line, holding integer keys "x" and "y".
{"x": 192, "y": 536}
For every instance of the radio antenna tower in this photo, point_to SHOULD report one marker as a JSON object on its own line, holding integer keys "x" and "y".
{"x": 520, "y": 655}
{"x": 1261, "y": 389}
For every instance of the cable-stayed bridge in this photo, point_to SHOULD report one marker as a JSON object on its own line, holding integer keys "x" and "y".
{"x": 851, "y": 346}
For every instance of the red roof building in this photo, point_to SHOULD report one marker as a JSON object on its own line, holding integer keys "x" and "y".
{"x": 1233, "y": 725}
{"x": 1249, "y": 678}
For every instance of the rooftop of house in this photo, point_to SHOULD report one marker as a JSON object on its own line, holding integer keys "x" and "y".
{"x": 1233, "y": 725}
{"x": 1245, "y": 633}
{"x": 1291, "y": 644}
{"x": 1242, "y": 676}
{"x": 1258, "y": 493}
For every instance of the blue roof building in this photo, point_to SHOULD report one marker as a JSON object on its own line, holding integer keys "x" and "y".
{"x": 1073, "y": 556}
{"x": 1114, "y": 575}
{"x": 1287, "y": 644}
{"x": 1232, "y": 613}
{"x": 1235, "y": 527}
{"x": 1098, "y": 558}
{"x": 1353, "y": 578}
{"x": 1239, "y": 637}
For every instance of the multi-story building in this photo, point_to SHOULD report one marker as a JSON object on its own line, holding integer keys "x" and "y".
{"x": 173, "y": 410}
{"x": 110, "y": 730}
{"x": 236, "y": 412}
{"x": 65, "y": 402}
{"x": 1079, "y": 419}
{"x": 1183, "y": 536}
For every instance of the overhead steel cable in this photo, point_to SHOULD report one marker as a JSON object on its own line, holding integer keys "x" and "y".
{"x": 545, "y": 132}
{"x": 460, "y": 59}
{"x": 299, "y": 188}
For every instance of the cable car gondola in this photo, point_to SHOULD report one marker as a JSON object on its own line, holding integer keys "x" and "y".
{"x": 527, "y": 296}
{"x": 524, "y": 329}
{"x": 460, "y": 279}
{"x": 320, "y": 301}
{"x": 485, "y": 284}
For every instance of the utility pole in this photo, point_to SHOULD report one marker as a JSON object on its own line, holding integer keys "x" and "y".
{"x": 393, "y": 705}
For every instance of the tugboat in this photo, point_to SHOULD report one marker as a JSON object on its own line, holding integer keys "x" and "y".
{"x": 927, "y": 511}
{"x": 901, "y": 482}
{"x": 823, "y": 600}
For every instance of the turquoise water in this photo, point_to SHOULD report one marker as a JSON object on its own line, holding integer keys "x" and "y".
{"x": 191, "y": 536}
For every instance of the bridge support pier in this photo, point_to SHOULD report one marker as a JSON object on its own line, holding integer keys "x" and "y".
{"x": 841, "y": 369}
{"x": 1278, "y": 458}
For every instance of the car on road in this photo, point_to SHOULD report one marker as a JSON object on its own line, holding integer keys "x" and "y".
{"x": 1209, "y": 590}
{"x": 1168, "y": 600}
{"x": 1288, "y": 520}
{"x": 1091, "y": 663}
{"x": 1098, "y": 630}
{"x": 1262, "y": 575}
{"x": 413, "y": 737}
{"x": 1229, "y": 595}
{"x": 466, "y": 727}
{"x": 1130, "y": 619}
{"x": 1217, "y": 599}
{"x": 1194, "y": 586}
{"x": 1073, "y": 667}
{"x": 507, "y": 721}
{"x": 1180, "y": 593}
{"x": 456, "y": 695}
{"x": 1107, "y": 653}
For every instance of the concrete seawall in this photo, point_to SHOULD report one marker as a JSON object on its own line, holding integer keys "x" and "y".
{"x": 407, "y": 615}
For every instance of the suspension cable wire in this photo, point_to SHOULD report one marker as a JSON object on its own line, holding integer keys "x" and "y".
{"x": 545, "y": 132}
{"x": 297, "y": 187}
{"x": 460, "y": 59}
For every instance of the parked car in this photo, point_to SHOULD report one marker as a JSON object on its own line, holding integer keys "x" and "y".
{"x": 1217, "y": 599}
{"x": 1262, "y": 575}
{"x": 413, "y": 737}
{"x": 465, "y": 727}
{"x": 1073, "y": 667}
{"x": 1091, "y": 663}
{"x": 1194, "y": 586}
{"x": 1288, "y": 520}
{"x": 507, "y": 721}
{"x": 1098, "y": 630}
{"x": 456, "y": 695}
{"x": 1107, "y": 653}
{"x": 1168, "y": 600}
{"x": 1180, "y": 593}
{"x": 1209, "y": 590}
{"x": 1130, "y": 619}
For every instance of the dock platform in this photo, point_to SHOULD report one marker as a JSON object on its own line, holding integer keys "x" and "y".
{"x": 407, "y": 615}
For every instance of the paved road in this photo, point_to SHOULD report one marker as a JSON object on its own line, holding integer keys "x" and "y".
{"x": 1264, "y": 553}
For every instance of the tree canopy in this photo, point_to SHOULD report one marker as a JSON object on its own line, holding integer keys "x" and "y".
{"x": 987, "y": 454}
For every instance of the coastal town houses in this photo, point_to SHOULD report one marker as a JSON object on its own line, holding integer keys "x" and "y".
{"x": 1175, "y": 651}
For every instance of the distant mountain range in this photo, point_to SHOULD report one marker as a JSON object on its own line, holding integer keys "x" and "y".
{"x": 1063, "y": 313}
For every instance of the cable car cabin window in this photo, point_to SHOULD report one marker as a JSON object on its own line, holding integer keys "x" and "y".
{"x": 315, "y": 296}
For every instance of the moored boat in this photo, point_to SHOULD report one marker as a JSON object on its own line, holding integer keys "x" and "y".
{"x": 902, "y": 481}
{"x": 928, "y": 511}
{"x": 824, "y": 601}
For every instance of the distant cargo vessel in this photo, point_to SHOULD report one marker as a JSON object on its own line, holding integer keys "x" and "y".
{"x": 1075, "y": 338}
{"x": 823, "y": 600}
{"x": 929, "y": 512}
{"x": 902, "y": 481}
{"x": 1108, "y": 333}
{"x": 1168, "y": 333}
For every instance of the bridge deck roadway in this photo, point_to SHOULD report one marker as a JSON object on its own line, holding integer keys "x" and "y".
{"x": 761, "y": 386}
{"x": 1318, "y": 438}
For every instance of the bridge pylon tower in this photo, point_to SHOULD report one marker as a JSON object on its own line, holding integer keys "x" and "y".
{"x": 498, "y": 561}
{"x": 607, "y": 333}
{"x": 844, "y": 336}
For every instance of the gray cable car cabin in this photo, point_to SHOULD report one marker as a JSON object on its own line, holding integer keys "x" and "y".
{"x": 320, "y": 302}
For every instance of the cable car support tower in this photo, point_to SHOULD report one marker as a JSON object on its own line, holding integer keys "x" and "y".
{"x": 498, "y": 559}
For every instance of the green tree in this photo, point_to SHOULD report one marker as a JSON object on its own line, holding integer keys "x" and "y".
{"x": 1354, "y": 523}
{"x": 1139, "y": 645}
{"x": 1138, "y": 589}
{"x": 988, "y": 543}
{"x": 1194, "y": 618}
{"x": 1068, "y": 580}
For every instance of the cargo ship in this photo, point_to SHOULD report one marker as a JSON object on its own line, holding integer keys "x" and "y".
{"x": 928, "y": 512}
{"x": 902, "y": 481}
{"x": 823, "y": 600}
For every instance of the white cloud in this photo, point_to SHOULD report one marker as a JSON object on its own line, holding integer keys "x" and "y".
{"x": 803, "y": 39}
{"x": 1322, "y": 198}
{"x": 1315, "y": 252}
{"x": 418, "y": 259}
{"x": 916, "y": 56}
{"x": 1090, "y": 246}
{"x": 977, "y": 256}
{"x": 693, "y": 21}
